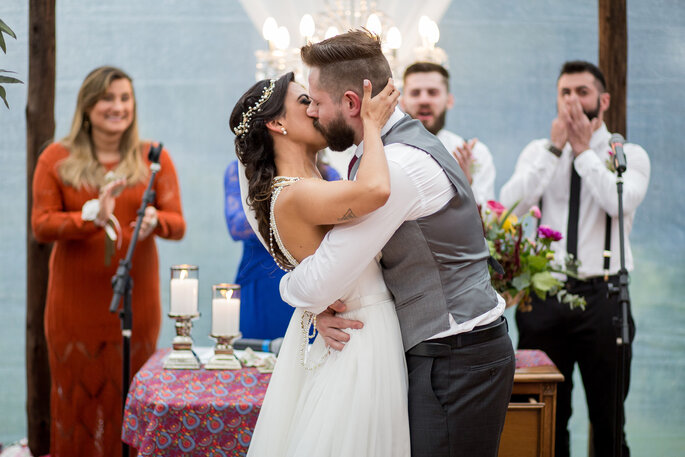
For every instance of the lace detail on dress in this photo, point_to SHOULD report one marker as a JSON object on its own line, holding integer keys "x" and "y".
{"x": 277, "y": 185}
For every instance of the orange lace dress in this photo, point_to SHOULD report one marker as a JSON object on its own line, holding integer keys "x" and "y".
{"x": 83, "y": 337}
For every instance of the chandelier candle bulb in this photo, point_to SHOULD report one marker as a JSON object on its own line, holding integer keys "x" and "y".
{"x": 269, "y": 29}
{"x": 373, "y": 24}
{"x": 307, "y": 26}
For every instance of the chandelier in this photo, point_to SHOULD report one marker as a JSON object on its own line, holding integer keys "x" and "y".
{"x": 338, "y": 17}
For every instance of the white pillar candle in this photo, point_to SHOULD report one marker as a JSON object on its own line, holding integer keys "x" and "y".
{"x": 225, "y": 316}
{"x": 183, "y": 296}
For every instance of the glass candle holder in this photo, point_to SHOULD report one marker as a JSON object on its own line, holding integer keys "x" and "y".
{"x": 225, "y": 326}
{"x": 225, "y": 309}
{"x": 183, "y": 290}
{"x": 183, "y": 297}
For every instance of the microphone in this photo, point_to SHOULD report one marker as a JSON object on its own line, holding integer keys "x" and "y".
{"x": 259, "y": 344}
{"x": 616, "y": 143}
{"x": 155, "y": 151}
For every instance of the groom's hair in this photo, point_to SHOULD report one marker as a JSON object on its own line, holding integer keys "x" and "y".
{"x": 346, "y": 60}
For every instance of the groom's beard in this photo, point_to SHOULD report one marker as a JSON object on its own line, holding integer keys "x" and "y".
{"x": 338, "y": 134}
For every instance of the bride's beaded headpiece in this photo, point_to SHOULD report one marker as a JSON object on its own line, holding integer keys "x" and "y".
{"x": 244, "y": 126}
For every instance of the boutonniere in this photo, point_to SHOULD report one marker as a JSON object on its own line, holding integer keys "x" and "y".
{"x": 474, "y": 167}
{"x": 610, "y": 162}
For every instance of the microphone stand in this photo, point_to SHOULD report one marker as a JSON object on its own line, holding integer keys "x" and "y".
{"x": 122, "y": 283}
{"x": 621, "y": 321}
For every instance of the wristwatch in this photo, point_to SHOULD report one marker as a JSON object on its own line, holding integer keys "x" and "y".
{"x": 554, "y": 150}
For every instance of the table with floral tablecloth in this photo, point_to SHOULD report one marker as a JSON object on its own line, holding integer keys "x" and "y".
{"x": 208, "y": 412}
{"x": 192, "y": 412}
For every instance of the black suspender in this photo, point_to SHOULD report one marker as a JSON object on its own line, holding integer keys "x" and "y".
{"x": 607, "y": 246}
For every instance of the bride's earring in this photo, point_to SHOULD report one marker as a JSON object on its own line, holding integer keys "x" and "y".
{"x": 284, "y": 131}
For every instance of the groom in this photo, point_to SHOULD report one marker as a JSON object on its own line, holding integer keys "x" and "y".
{"x": 435, "y": 262}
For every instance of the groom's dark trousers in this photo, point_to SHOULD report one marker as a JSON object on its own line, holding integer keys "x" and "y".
{"x": 457, "y": 403}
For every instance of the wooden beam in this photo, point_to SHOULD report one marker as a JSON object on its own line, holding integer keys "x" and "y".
{"x": 40, "y": 129}
{"x": 613, "y": 57}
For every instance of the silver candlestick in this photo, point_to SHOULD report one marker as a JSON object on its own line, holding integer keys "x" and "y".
{"x": 182, "y": 356}
{"x": 183, "y": 295}
{"x": 224, "y": 358}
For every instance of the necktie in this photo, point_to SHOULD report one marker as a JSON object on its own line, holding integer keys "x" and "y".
{"x": 573, "y": 209}
{"x": 349, "y": 167}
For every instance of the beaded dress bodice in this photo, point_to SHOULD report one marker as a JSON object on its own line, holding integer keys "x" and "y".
{"x": 277, "y": 185}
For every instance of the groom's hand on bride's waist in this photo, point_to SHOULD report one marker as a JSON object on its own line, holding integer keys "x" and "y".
{"x": 331, "y": 326}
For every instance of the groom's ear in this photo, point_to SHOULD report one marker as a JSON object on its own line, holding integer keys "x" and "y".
{"x": 351, "y": 103}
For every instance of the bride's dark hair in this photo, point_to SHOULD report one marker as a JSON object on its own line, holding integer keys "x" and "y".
{"x": 255, "y": 147}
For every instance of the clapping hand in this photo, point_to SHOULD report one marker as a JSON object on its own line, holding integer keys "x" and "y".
{"x": 464, "y": 155}
{"x": 149, "y": 222}
{"x": 579, "y": 126}
{"x": 107, "y": 200}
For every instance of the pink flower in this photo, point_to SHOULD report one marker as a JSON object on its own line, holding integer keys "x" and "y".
{"x": 496, "y": 207}
{"x": 535, "y": 212}
{"x": 545, "y": 231}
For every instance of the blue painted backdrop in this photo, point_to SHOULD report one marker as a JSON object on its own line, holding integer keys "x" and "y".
{"x": 192, "y": 59}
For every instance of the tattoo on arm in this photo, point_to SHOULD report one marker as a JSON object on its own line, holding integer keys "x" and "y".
{"x": 349, "y": 215}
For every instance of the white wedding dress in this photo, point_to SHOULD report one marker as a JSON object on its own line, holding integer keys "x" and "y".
{"x": 352, "y": 404}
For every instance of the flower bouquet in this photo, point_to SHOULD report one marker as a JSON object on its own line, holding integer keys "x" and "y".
{"x": 528, "y": 263}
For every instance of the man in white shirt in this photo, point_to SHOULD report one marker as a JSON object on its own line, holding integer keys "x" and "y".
{"x": 426, "y": 96}
{"x": 576, "y": 160}
{"x": 435, "y": 262}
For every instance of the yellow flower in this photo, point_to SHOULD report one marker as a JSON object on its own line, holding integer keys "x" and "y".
{"x": 509, "y": 224}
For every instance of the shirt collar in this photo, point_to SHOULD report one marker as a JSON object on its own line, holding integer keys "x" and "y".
{"x": 600, "y": 137}
{"x": 392, "y": 120}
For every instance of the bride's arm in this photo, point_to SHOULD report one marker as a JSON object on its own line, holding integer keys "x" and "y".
{"x": 324, "y": 203}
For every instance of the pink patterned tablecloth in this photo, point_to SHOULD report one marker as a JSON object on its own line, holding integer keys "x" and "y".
{"x": 207, "y": 412}
{"x": 192, "y": 412}
{"x": 528, "y": 358}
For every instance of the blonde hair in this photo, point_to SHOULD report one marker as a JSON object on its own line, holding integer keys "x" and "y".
{"x": 81, "y": 168}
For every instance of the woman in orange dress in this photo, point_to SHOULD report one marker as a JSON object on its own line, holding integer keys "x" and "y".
{"x": 86, "y": 191}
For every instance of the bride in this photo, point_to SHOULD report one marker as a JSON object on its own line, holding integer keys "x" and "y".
{"x": 322, "y": 402}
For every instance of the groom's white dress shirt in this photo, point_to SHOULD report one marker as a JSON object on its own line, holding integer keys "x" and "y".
{"x": 419, "y": 187}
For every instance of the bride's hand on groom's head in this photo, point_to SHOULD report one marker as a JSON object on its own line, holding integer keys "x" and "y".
{"x": 377, "y": 110}
{"x": 331, "y": 326}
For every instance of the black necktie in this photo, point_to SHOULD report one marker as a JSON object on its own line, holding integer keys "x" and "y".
{"x": 573, "y": 209}
{"x": 349, "y": 167}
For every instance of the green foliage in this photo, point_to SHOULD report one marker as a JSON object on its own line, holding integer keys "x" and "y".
{"x": 4, "y": 28}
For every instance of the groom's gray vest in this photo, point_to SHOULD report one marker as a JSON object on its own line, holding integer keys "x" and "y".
{"x": 438, "y": 263}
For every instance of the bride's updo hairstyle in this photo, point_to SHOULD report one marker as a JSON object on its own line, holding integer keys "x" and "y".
{"x": 263, "y": 102}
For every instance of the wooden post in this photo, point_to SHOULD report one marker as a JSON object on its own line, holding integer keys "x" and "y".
{"x": 613, "y": 61}
{"x": 40, "y": 129}
{"x": 613, "y": 56}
